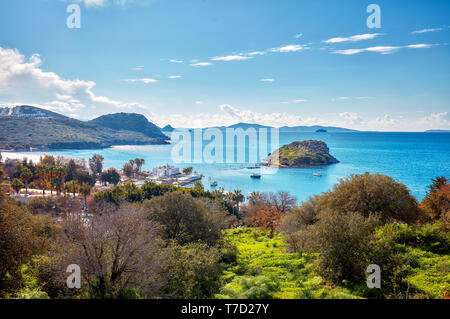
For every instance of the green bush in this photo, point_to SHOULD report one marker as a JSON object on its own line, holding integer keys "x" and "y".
{"x": 430, "y": 237}
{"x": 260, "y": 287}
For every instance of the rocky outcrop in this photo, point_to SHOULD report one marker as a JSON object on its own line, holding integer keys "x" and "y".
{"x": 301, "y": 154}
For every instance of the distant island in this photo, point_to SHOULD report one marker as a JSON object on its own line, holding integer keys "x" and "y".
{"x": 437, "y": 131}
{"x": 168, "y": 128}
{"x": 321, "y": 130}
{"x": 283, "y": 129}
{"x": 301, "y": 154}
{"x": 25, "y": 127}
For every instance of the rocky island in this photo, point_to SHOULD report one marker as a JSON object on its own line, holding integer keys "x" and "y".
{"x": 301, "y": 154}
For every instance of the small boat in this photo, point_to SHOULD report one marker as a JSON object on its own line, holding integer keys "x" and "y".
{"x": 213, "y": 183}
{"x": 317, "y": 174}
{"x": 255, "y": 176}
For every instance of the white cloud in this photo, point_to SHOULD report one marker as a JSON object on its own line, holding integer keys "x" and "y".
{"x": 383, "y": 49}
{"x": 354, "y": 38}
{"x": 299, "y": 35}
{"x": 198, "y": 102}
{"x": 257, "y": 53}
{"x": 101, "y": 3}
{"x": 175, "y": 76}
{"x": 288, "y": 48}
{"x": 427, "y": 30}
{"x": 299, "y": 101}
{"x": 22, "y": 78}
{"x": 419, "y": 46}
{"x": 143, "y": 80}
{"x": 201, "y": 64}
{"x": 138, "y": 68}
{"x": 175, "y": 61}
{"x": 341, "y": 98}
{"x": 93, "y": 3}
{"x": 435, "y": 121}
{"x": 350, "y": 118}
{"x": 230, "y": 58}
{"x": 267, "y": 80}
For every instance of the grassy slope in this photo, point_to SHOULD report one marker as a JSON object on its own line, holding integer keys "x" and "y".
{"x": 264, "y": 262}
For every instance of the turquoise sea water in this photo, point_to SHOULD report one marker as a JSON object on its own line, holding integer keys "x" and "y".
{"x": 411, "y": 158}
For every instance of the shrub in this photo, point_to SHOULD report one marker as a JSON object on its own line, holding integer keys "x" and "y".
{"x": 343, "y": 241}
{"x": 193, "y": 270}
{"x": 187, "y": 219}
{"x": 430, "y": 237}
{"x": 248, "y": 287}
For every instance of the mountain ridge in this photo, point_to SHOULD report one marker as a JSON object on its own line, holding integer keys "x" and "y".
{"x": 32, "y": 127}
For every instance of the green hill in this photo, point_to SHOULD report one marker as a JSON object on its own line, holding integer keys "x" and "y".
{"x": 54, "y": 131}
{"x": 130, "y": 122}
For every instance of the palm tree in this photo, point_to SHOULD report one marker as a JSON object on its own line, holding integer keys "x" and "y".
{"x": 60, "y": 174}
{"x": 41, "y": 173}
{"x": 139, "y": 162}
{"x": 50, "y": 174}
{"x": 85, "y": 190}
{"x": 236, "y": 197}
{"x": 26, "y": 175}
{"x": 73, "y": 187}
{"x": 254, "y": 196}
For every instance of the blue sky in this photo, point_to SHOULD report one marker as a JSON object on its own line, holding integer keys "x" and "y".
{"x": 208, "y": 62}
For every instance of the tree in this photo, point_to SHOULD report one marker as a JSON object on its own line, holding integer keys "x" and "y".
{"x": 188, "y": 170}
{"x": 42, "y": 177}
{"x": 254, "y": 197}
{"x": 26, "y": 175}
{"x": 111, "y": 176}
{"x": 236, "y": 197}
{"x": 343, "y": 241}
{"x": 139, "y": 162}
{"x": 16, "y": 242}
{"x": 438, "y": 182}
{"x": 267, "y": 218}
{"x": 128, "y": 170}
{"x": 96, "y": 164}
{"x": 281, "y": 201}
{"x": 369, "y": 194}
{"x": 58, "y": 182}
{"x": 47, "y": 160}
{"x": 85, "y": 190}
{"x": 198, "y": 185}
{"x": 187, "y": 219}
{"x": 436, "y": 203}
{"x": 17, "y": 185}
{"x": 117, "y": 252}
{"x": 71, "y": 168}
{"x": 193, "y": 270}
{"x": 72, "y": 187}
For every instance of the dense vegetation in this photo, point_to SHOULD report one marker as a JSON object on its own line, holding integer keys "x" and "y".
{"x": 160, "y": 241}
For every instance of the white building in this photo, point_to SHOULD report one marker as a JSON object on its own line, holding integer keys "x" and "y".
{"x": 166, "y": 171}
